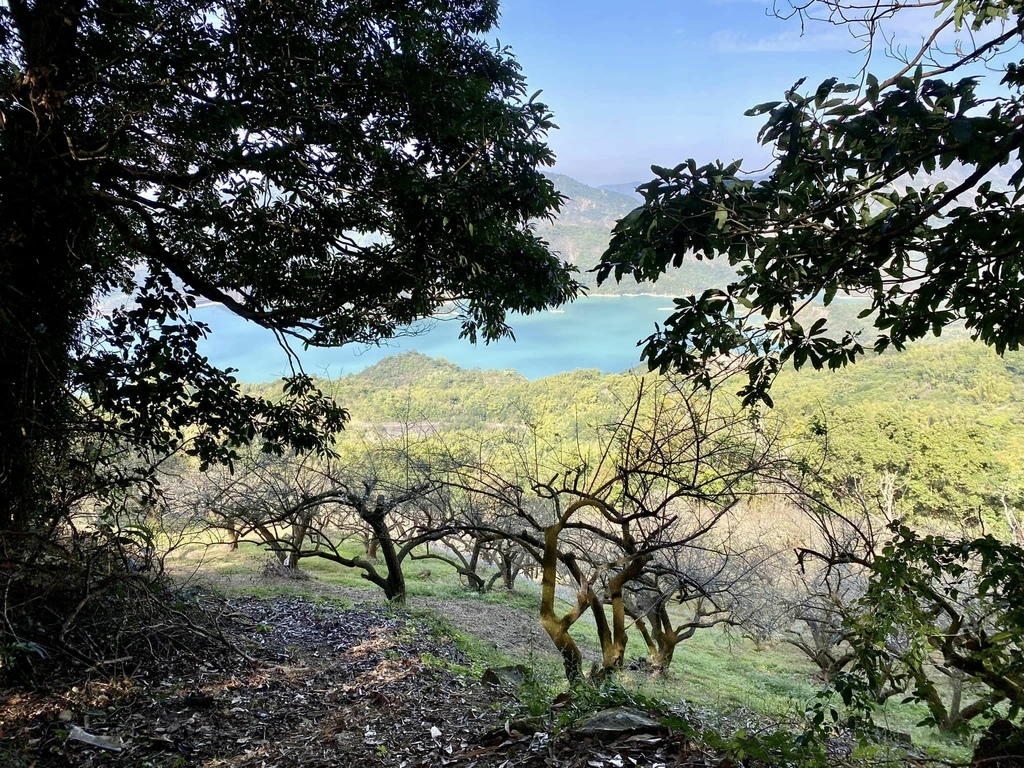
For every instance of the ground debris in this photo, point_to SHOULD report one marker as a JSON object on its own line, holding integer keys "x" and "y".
{"x": 317, "y": 685}
{"x": 94, "y": 740}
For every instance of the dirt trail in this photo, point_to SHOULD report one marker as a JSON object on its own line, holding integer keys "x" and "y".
{"x": 512, "y": 631}
{"x": 318, "y": 686}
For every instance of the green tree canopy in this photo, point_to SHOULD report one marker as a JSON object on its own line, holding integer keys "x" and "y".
{"x": 331, "y": 170}
{"x": 881, "y": 189}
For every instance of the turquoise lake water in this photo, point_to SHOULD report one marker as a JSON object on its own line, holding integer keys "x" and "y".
{"x": 596, "y": 332}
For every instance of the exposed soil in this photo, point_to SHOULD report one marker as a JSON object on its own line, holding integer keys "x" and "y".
{"x": 516, "y": 634}
{"x": 310, "y": 684}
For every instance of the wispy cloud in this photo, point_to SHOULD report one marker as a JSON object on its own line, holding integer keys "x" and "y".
{"x": 831, "y": 39}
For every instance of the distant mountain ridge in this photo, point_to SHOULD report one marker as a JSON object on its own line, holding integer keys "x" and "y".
{"x": 626, "y": 189}
{"x": 583, "y": 229}
{"x": 581, "y": 232}
{"x": 601, "y": 199}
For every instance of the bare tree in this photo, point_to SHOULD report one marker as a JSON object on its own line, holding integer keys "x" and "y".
{"x": 618, "y": 504}
{"x": 271, "y": 498}
{"x": 918, "y": 614}
{"x": 379, "y": 489}
{"x": 689, "y": 588}
{"x": 481, "y": 553}
{"x": 379, "y": 504}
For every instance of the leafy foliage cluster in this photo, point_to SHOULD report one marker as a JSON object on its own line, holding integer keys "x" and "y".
{"x": 331, "y": 171}
{"x": 849, "y": 208}
{"x": 961, "y": 599}
{"x": 581, "y": 232}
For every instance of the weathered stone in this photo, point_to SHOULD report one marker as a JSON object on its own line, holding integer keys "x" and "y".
{"x": 619, "y": 721}
{"x": 512, "y": 677}
{"x": 881, "y": 733}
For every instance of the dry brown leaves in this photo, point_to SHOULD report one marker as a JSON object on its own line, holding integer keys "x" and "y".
{"x": 322, "y": 686}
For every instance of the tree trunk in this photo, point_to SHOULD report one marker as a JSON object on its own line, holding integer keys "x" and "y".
{"x": 509, "y": 571}
{"x": 273, "y": 541}
{"x": 476, "y": 582}
{"x": 661, "y": 644}
{"x": 665, "y": 641}
{"x": 558, "y": 628}
{"x": 610, "y": 659}
{"x": 372, "y": 545}
{"x": 572, "y": 659}
{"x": 615, "y": 652}
{"x": 645, "y": 633}
{"x": 394, "y": 583}
{"x": 666, "y": 652}
{"x": 473, "y": 580}
{"x": 46, "y": 283}
{"x": 298, "y": 538}
{"x": 933, "y": 700}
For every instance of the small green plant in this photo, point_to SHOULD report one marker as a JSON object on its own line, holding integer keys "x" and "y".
{"x": 19, "y": 654}
{"x": 537, "y": 691}
{"x": 778, "y": 746}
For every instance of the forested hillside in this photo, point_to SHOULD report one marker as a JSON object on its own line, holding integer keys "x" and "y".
{"x": 412, "y": 387}
{"x": 943, "y": 422}
{"x": 940, "y": 427}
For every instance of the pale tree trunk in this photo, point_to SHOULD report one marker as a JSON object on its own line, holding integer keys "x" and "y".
{"x": 558, "y": 628}
{"x": 661, "y": 639}
{"x": 373, "y": 550}
{"x": 888, "y": 490}
{"x": 299, "y": 530}
{"x": 613, "y": 637}
{"x": 1016, "y": 530}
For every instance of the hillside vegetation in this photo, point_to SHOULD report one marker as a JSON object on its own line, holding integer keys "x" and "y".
{"x": 721, "y": 498}
{"x": 946, "y": 417}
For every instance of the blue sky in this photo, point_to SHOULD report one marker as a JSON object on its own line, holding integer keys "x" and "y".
{"x": 657, "y": 81}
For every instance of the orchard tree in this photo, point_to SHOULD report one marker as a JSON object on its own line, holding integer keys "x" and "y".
{"x": 271, "y": 499}
{"x": 329, "y": 170}
{"x": 630, "y": 515}
{"x": 855, "y": 204}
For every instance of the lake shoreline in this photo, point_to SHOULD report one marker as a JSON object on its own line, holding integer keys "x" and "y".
{"x": 582, "y": 335}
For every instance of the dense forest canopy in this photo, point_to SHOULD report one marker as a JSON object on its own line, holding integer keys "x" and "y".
{"x": 331, "y": 171}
